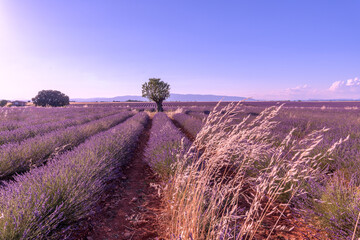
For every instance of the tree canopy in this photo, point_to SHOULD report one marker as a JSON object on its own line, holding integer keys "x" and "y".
{"x": 157, "y": 91}
{"x": 52, "y": 98}
{"x": 3, "y": 103}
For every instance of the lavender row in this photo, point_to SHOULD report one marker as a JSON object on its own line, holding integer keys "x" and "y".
{"x": 332, "y": 200}
{"x": 11, "y": 119}
{"x": 20, "y": 157}
{"x": 20, "y": 134}
{"x": 198, "y": 115}
{"x": 190, "y": 124}
{"x": 165, "y": 142}
{"x": 41, "y": 203}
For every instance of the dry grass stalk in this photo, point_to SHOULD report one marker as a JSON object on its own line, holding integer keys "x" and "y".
{"x": 178, "y": 110}
{"x": 232, "y": 177}
{"x": 356, "y": 224}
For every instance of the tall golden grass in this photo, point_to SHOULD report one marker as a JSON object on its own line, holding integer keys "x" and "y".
{"x": 234, "y": 176}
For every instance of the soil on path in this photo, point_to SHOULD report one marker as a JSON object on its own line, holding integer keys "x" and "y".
{"x": 131, "y": 206}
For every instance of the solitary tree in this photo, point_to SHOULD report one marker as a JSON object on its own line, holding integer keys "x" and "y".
{"x": 157, "y": 91}
{"x": 52, "y": 98}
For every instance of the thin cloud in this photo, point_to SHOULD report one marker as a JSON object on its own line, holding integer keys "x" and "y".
{"x": 297, "y": 89}
{"x": 344, "y": 89}
{"x": 350, "y": 85}
{"x": 294, "y": 93}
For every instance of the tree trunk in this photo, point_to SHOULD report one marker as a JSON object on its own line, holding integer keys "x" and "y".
{"x": 159, "y": 106}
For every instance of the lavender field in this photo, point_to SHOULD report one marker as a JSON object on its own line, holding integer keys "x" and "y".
{"x": 251, "y": 170}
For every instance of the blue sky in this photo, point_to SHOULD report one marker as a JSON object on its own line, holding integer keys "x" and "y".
{"x": 260, "y": 49}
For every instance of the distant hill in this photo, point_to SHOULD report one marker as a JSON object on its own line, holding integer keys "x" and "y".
{"x": 173, "y": 97}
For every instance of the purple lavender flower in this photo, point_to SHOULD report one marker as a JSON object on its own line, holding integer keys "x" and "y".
{"x": 190, "y": 124}
{"x": 38, "y": 204}
{"x": 165, "y": 143}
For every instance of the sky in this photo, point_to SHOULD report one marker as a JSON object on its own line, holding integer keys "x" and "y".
{"x": 272, "y": 50}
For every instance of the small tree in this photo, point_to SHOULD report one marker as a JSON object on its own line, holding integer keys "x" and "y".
{"x": 157, "y": 91}
{"x": 52, "y": 98}
{"x": 3, "y": 103}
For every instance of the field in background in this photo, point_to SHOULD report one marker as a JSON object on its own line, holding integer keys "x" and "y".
{"x": 248, "y": 103}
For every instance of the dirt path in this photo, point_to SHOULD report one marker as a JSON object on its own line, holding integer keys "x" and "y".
{"x": 131, "y": 207}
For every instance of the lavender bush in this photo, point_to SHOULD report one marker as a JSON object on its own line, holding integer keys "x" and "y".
{"x": 165, "y": 142}
{"x": 336, "y": 205}
{"x": 15, "y": 118}
{"x": 190, "y": 124}
{"x": 41, "y": 202}
{"x": 32, "y": 130}
{"x": 332, "y": 200}
{"x": 198, "y": 115}
{"x": 19, "y": 157}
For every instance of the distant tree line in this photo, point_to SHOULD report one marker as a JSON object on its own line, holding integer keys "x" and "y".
{"x": 131, "y": 100}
